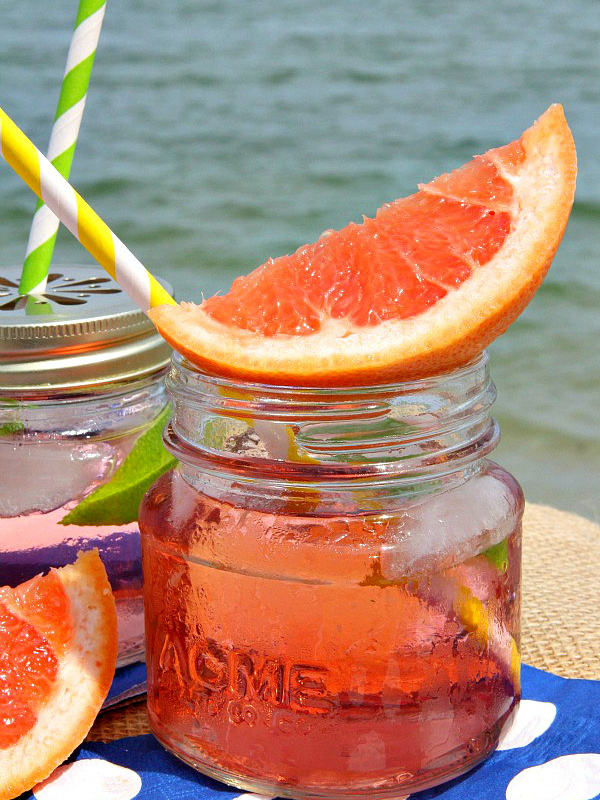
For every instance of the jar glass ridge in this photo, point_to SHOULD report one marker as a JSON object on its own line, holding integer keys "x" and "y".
{"x": 332, "y": 583}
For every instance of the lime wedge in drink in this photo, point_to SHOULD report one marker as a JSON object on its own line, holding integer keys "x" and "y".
{"x": 117, "y": 502}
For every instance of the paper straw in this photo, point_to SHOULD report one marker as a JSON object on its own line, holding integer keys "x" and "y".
{"x": 63, "y": 139}
{"x": 76, "y": 215}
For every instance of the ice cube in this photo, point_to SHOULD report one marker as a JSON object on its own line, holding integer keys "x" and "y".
{"x": 449, "y": 527}
{"x": 40, "y": 476}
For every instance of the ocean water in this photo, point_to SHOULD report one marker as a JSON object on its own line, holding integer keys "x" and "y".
{"x": 218, "y": 133}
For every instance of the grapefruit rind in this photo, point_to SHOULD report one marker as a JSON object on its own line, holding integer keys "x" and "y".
{"x": 445, "y": 336}
{"x": 84, "y": 677}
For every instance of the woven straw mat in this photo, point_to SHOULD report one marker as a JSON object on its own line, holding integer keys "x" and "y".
{"x": 561, "y": 616}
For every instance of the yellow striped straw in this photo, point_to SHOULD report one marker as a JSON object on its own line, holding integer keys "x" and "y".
{"x": 76, "y": 215}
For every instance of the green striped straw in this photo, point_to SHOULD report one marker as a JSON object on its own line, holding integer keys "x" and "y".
{"x": 63, "y": 139}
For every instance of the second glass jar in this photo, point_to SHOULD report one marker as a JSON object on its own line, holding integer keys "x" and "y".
{"x": 332, "y": 584}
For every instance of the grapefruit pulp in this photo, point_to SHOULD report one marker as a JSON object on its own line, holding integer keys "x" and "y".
{"x": 58, "y": 650}
{"x": 419, "y": 289}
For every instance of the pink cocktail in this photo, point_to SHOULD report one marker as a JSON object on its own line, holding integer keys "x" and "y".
{"x": 81, "y": 382}
{"x": 332, "y": 585}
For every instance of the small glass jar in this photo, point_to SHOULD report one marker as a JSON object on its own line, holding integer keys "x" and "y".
{"x": 332, "y": 584}
{"x": 81, "y": 380}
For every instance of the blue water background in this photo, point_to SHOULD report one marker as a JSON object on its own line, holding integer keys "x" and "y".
{"x": 218, "y": 133}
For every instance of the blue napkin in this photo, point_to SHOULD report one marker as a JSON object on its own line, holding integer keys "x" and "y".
{"x": 128, "y": 682}
{"x": 552, "y": 752}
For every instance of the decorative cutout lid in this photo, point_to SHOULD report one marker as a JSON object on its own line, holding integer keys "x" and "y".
{"x": 84, "y": 331}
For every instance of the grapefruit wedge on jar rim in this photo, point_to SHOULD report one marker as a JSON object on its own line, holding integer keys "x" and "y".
{"x": 58, "y": 650}
{"x": 421, "y": 288}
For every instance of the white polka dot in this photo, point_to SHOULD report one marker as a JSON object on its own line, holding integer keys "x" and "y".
{"x": 89, "y": 779}
{"x": 250, "y": 796}
{"x": 531, "y": 720}
{"x": 575, "y": 777}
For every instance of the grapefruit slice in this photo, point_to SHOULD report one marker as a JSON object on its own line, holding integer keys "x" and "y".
{"x": 419, "y": 289}
{"x": 58, "y": 651}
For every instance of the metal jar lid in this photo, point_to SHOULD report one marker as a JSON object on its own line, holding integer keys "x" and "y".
{"x": 84, "y": 331}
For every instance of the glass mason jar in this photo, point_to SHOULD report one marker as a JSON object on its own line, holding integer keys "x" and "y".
{"x": 332, "y": 584}
{"x": 81, "y": 380}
